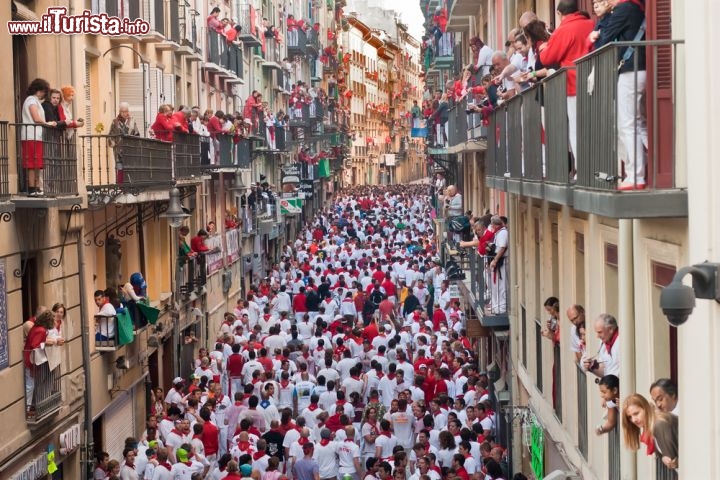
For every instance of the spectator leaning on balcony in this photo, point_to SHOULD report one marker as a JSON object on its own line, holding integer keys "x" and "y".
{"x": 607, "y": 361}
{"x": 164, "y": 124}
{"x": 123, "y": 124}
{"x": 658, "y": 431}
{"x": 31, "y": 135}
{"x": 576, "y": 315}
{"x": 504, "y": 72}
{"x": 213, "y": 20}
{"x": 34, "y": 355}
{"x": 482, "y": 56}
{"x": 537, "y": 36}
{"x": 65, "y": 111}
{"x": 181, "y": 117}
{"x": 105, "y": 318}
{"x": 665, "y": 396}
{"x": 568, "y": 43}
{"x": 627, "y": 24}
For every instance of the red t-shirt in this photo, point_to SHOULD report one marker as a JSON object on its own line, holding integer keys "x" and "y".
{"x": 299, "y": 303}
{"x": 370, "y": 332}
{"x": 210, "y": 438}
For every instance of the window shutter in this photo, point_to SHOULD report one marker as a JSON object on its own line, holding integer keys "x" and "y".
{"x": 660, "y": 85}
{"x": 169, "y": 88}
{"x": 130, "y": 86}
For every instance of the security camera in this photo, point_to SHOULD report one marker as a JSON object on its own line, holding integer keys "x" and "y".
{"x": 677, "y": 302}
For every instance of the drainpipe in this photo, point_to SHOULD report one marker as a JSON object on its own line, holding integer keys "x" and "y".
{"x": 141, "y": 239}
{"x": 87, "y": 462}
{"x": 626, "y": 321}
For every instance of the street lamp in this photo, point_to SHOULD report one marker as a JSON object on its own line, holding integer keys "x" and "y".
{"x": 175, "y": 213}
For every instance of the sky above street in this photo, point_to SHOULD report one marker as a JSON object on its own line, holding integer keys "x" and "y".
{"x": 409, "y": 11}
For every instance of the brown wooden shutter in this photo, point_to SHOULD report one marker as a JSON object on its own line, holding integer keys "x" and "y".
{"x": 660, "y": 115}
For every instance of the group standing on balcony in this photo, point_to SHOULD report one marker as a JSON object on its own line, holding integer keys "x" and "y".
{"x": 46, "y": 131}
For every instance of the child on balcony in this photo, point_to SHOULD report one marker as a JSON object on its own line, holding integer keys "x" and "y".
{"x": 610, "y": 394}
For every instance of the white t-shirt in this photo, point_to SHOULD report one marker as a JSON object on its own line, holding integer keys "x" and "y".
{"x": 325, "y": 456}
{"x": 32, "y": 131}
{"x": 404, "y": 428}
{"x": 347, "y": 452}
{"x": 387, "y": 444}
{"x": 484, "y": 60}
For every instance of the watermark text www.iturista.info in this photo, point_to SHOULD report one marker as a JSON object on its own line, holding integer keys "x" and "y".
{"x": 57, "y": 22}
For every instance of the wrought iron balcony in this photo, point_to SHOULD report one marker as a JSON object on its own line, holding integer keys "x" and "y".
{"x": 4, "y": 168}
{"x": 251, "y": 21}
{"x": 43, "y": 395}
{"x": 191, "y": 274}
{"x": 296, "y": 42}
{"x": 52, "y": 148}
{"x": 312, "y": 45}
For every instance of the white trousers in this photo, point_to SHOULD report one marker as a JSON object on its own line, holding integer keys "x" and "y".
{"x": 632, "y": 130}
{"x": 572, "y": 127}
{"x": 498, "y": 289}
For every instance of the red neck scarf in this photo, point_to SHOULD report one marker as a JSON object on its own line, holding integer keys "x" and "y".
{"x": 303, "y": 440}
{"x": 649, "y": 442}
{"x": 609, "y": 345}
{"x": 324, "y": 441}
{"x": 258, "y": 455}
{"x": 312, "y": 407}
{"x": 166, "y": 465}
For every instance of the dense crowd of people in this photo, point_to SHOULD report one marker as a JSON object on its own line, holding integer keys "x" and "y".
{"x": 349, "y": 359}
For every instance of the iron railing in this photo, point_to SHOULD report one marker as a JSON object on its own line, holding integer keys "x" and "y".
{"x": 55, "y": 149}
{"x": 188, "y": 158}
{"x": 528, "y": 135}
{"x": 4, "y": 162}
{"x": 273, "y": 51}
{"x": 250, "y": 22}
{"x": 445, "y": 46}
{"x": 233, "y": 61}
{"x": 614, "y": 452}
{"x": 299, "y": 116}
{"x": 484, "y": 284}
{"x": 234, "y": 154}
{"x": 296, "y": 42}
{"x": 107, "y": 333}
{"x": 662, "y": 472}
{"x": 126, "y": 160}
{"x": 312, "y": 43}
{"x": 191, "y": 274}
{"x": 43, "y": 395}
{"x": 582, "y": 409}
{"x": 217, "y": 48}
{"x": 619, "y": 117}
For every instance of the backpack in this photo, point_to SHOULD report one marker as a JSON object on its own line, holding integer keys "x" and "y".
{"x": 376, "y": 297}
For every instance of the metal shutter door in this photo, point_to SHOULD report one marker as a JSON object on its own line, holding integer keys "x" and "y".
{"x": 118, "y": 424}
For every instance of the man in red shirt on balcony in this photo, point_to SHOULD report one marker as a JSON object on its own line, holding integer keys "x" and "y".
{"x": 213, "y": 21}
{"x": 567, "y": 44}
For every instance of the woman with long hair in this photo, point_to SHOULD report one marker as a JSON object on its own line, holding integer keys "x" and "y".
{"x": 657, "y": 430}
{"x": 448, "y": 448}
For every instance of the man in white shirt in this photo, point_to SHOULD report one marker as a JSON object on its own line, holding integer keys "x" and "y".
{"x": 326, "y": 455}
{"x": 403, "y": 424}
{"x": 348, "y": 453}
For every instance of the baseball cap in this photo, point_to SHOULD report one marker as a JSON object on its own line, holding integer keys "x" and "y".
{"x": 325, "y": 433}
{"x": 246, "y": 469}
{"x": 178, "y": 380}
{"x": 388, "y": 328}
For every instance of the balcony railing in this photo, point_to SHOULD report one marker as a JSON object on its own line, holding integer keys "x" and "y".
{"x": 642, "y": 116}
{"x": 250, "y": 21}
{"x": 486, "y": 289}
{"x": 216, "y": 48}
{"x": 191, "y": 274}
{"x": 54, "y": 151}
{"x": 4, "y": 162}
{"x": 528, "y": 134}
{"x": 107, "y": 333}
{"x": 233, "y": 155}
{"x": 614, "y": 453}
{"x": 273, "y": 53}
{"x": 313, "y": 42}
{"x": 299, "y": 117}
{"x": 582, "y": 409}
{"x": 664, "y": 473}
{"x": 43, "y": 395}
{"x": 129, "y": 160}
{"x": 296, "y": 42}
{"x": 247, "y": 215}
{"x": 190, "y": 154}
{"x": 233, "y": 61}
